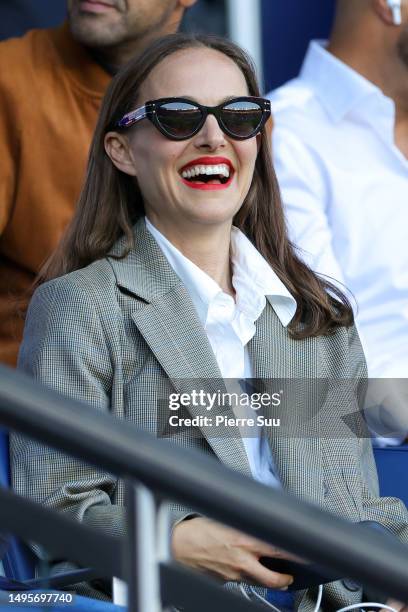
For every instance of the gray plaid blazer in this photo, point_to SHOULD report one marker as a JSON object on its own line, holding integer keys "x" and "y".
{"x": 122, "y": 333}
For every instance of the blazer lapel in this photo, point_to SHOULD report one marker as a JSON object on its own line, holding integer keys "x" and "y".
{"x": 279, "y": 361}
{"x": 167, "y": 320}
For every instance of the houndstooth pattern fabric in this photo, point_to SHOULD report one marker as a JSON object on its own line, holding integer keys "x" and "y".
{"x": 122, "y": 334}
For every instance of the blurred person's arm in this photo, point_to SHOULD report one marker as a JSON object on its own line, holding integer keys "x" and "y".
{"x": 9, "y": 156}
{"x": 306, "y": 192}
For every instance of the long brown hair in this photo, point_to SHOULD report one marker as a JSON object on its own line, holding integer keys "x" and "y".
{"x": 111, "y": 201}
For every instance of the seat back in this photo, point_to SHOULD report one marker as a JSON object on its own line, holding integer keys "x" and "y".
{"x": 4, "y": 459}
{"x": 18, "y": 560}
{"x": 4, "y": 481}
{"x": 287, "y": 28}
{"x": 392, "y": 467}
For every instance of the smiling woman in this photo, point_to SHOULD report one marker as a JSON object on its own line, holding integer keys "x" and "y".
{"x": 183, "y": 132}
{"x": 177, "y": 267}
{"x": 141, "y": 148}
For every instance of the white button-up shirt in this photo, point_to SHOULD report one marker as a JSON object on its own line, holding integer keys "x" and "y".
{"x": 230, "y": 324}
{"x": 344, "y": 184}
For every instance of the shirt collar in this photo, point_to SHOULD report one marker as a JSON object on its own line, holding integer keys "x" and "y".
{"x": 340, "y": 88}
{"x": 253, "y": 279}
{"x": 253, "y": 276}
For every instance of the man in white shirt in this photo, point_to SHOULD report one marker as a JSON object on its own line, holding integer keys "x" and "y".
{"x": 340, "y": 149}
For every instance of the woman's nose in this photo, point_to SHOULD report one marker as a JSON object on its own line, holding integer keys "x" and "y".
{"x": 211, "y": 135}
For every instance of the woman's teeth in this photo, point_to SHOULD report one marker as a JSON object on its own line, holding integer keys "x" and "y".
{"x": 221, "y": 170}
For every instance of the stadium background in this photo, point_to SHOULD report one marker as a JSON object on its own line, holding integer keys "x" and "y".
{"x": 285, "y": 26}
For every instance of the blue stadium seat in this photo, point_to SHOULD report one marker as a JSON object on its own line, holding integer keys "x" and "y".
{"x": 18, "y": 560}
{"x": 4, "y": 459}
{"x": 392, "y": 466}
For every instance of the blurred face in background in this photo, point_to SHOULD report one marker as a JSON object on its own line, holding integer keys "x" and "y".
{"x": 109, "y": 23}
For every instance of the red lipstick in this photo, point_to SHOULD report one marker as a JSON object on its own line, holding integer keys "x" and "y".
{"x": 208, "y": 186}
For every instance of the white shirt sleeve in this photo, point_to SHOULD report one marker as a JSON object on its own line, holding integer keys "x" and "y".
{"x": 305, "y": 193}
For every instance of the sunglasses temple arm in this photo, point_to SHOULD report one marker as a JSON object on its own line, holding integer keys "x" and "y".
{"x": 133, "y": 117}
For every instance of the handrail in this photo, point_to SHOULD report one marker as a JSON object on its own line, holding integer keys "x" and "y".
{"x": 104, "y": 554}
{"x": 65, "y": 538}
{"x": 199, "y": 482}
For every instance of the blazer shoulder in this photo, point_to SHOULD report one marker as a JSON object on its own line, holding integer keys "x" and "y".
{"x": 342, "y": 353}
{"x": 93, "y": 284}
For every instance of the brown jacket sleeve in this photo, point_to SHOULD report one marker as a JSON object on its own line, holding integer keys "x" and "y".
{"x": 9, "y": 153}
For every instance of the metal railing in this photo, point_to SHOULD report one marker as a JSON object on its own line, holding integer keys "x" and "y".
{"x": 198, "y": 481}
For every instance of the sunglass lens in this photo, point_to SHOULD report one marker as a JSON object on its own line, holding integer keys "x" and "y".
{"x": 242, "y": 118}
{"x": 179, "y": 119}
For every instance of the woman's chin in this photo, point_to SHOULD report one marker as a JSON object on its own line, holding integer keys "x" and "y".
{"x": 212, "y": 211}
{"x": 211, "y": 218}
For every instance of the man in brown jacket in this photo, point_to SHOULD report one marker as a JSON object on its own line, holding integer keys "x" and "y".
{"x": 51, "y": 86}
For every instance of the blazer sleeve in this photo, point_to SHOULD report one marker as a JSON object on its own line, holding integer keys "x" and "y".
{"x": 389, "y": 511}
{"x": 67, "y": 347}
{"x": 64, "y": 347}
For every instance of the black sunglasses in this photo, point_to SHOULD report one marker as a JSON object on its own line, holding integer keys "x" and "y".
{"x": 180, "y": 118}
